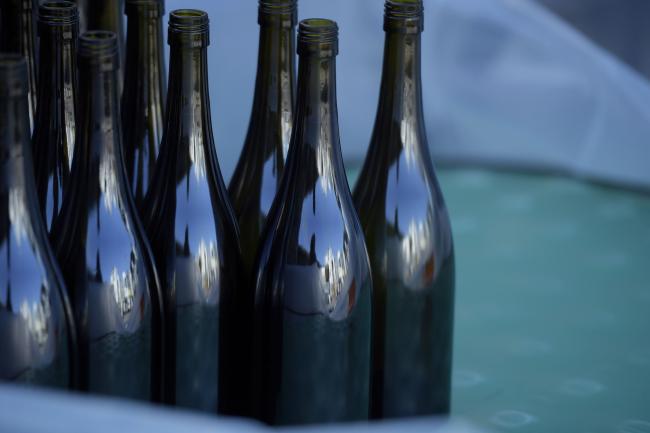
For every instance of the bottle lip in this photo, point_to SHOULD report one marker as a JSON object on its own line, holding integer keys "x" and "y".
{"x": 150, "y": 8}
{"x": 58, "y": 13}
{"x": 13, "y": 75}
{"x": 99, "y": 46}
{"x": 318, "y": 36}
{"x": 282, "y": 12}
{"x": 189, "y": 21}
{"x": 406, "y": 16}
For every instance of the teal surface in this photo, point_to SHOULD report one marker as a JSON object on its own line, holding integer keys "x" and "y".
{"x": 553, "y": 303}
{"x": 552, "y": 330}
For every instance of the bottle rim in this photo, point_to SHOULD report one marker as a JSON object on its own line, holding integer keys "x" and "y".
{"x": 404, "y": 15}
{"x": 100, "y": 46}
{"x": 150, "y": 8}
{"x": 13, "y": 75}
{"x": 189, "y": 21}
{"x": 284, "y": 12}
{"x": 58, "y": 13}
{"x": 318, "y": 35}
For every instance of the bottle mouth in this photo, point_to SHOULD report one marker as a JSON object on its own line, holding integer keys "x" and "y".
{"x": 58, "y": 13}
{"x": 283, "y": 11}
{"x": 189, "y": 21}
{"x": 404, "y": 15}
{"x": 318, "y": 35}
{"x": 150, "y": 8}
{"x": 99, "y": 46}
{"x": 13, "y": 75}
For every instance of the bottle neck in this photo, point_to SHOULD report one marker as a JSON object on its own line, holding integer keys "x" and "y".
{"x": 98, "y": 113}
{"x": 145, "y": 52}
{"x": 275, "y": 82}
{"x": 58, "y": 50}
{"x": 189, "y": 103}
{"x": 400, "y": 98}
{"x": 14, "y": 142}
{"x": 316, "y": 138}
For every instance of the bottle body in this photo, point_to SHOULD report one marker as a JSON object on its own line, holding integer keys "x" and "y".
{"x": 143, "y": 97}
{"x": 409, "y": 240}
{"x": 313, "y": 292}
{"x": 99, "y": 242}
{"x": 54, "y": 131}
{"x": 190, "y": 222}
{"x": 18, "y": 35}
{"x": 36, "y": 334}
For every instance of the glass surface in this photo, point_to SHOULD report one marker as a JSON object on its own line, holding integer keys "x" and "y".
{"x": 313, "y": 284}
{"x": 408, "y": 232}
{"x": 192, "y": 228}
{"x": 99, "y": 244}
{"x": 55, "y": 128}
{"x": 143, "y": 98}
{"x": 35, "y": 332}
{"x": 18, "y": 35}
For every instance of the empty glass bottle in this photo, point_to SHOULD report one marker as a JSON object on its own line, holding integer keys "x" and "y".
{"x": 191, "y": 224}
{"x": 313, "y": 295}
{"x": 143, "y": 98}
{"x": 54, "y": 131}
{"x": 408, "y": 234}
{"x": 99, "y": 241}
{"x": 257, "y": 176}
{"x": 36, "y": 334}
{"x": 18, "y": 35}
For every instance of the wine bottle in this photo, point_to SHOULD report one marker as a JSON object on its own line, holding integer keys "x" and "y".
{"x": 313, "y": 282}
{"x": 144, "y": 92}
{"x": 36, "y": 333}
{"x": 408, "y": 234}
{"x": 257, "y": 176}
{"x": 99, "y": 241}
{"x": 190, "y": 222}
{"x": 54, "y": 131}
{"x": 18, "y": 35}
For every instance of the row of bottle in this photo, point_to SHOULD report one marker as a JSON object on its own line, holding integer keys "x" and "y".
{"x": 272, "y": 298}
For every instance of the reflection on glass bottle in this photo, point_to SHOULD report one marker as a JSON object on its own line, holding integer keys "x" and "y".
{"x": 408, "y": 234}
{"x": 256, "y": 179}
{"x": 191, "y": 225}
{"x": 144, "y": 93}
{"x": 18, "y": 35}
{"x": 313, "y": 295}
{"x": 54, "y": 132}
{"x": 100, "y": 244}
{"x": 36, "y": 332}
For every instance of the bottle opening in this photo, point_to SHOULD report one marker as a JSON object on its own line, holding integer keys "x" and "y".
{"x": 99, "y": 45}
{"x": 58, "y": 13}
{"x": 152, "y": 8}
{"x": 13, "y": 75}
{"x": 282, "y": 11}
{"x": 189, "y": 21}
{"x": 404, "y": 15}
{"x": 318, "y": 35}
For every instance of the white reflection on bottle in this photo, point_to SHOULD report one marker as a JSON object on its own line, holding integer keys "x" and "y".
{"x": 124, "y": 286}
{"x": 207, "y": 266}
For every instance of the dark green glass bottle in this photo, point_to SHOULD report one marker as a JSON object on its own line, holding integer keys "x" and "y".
{"x": 408, "y": 233}
{"x": 313, "y": 294}
{"x": 54, "y": 131}
{"x": 18, "y": 35}
{"x": 100, "y": 244}
{"x": 36, "y": 333}
{"x": 191, "y": 224}
{"x": 143, "y": 98}
{"x": 257, "y": 176}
